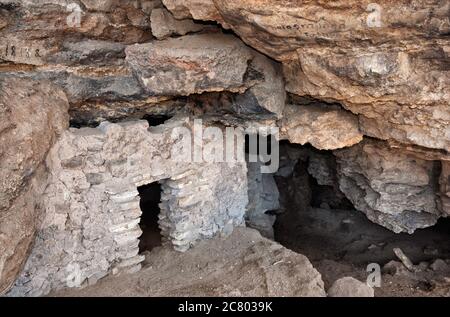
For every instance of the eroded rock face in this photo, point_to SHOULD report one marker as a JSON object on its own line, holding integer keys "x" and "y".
{"x": 399, "y": 94}
{"x": 390, "y": 69}
{"x": 78, "y": 45}
{"x": 324, "y": 127}
{"x": 119, "y": 60}
{"x": 81, "y": 46}
{"x": 394, "y": 189}
{"x": 196, "y": 9}
{"x": 44, "y": 24}
{"x": 164, "y": 24}
{"x": 190, "y": 64}
{"x": 285, "y": 26}
{"x": 32, "y": 115}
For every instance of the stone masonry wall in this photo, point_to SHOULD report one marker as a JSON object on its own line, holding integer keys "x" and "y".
{"x": 91, "y": 228}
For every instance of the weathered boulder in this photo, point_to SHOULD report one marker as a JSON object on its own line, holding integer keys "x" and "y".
{"x": 350, "y": 287}
{"x": 268, "y": 95}
{"x": 33, "y": 115}
{"x": 164, "y": 24}
{"x": 190, "y": 64}
{"x": 439, "y": 265}
{"x": 324, "y": 127}
{"x": 394, "y": 189}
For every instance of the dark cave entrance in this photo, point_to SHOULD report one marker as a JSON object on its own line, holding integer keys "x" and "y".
{"x": 151, "y": 234}
{"x": 317, "y": 220}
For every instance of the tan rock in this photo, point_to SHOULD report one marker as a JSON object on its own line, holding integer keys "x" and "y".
{"x": 279, "y": 28}
{"x": 196, "y": 9}
{"x": 33, "y": 114}
{"x": 398, "y": 93}
{"x": 324, "y": 127}
{"x": 394, "y": 189}
{"x": 190, "y": 64}
{"x": 164, "y": 24}
{"x": 350, "y": 287}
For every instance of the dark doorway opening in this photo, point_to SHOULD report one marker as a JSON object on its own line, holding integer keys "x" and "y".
{"x": 156, "y": 120}
{"x": 151, "y": 234}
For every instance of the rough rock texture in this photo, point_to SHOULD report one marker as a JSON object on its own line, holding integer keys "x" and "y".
{"x": 32, "y": 115}
{"x": 92, "y": 214}
{"x": 389, "y": 68}
{"x": 164, "y": 24}
{"x": 350, "y": 287}
{"x": 44, "y": 24}
{"x": 400, "y": 94}
{"x": 263, "y": 197}
{"x": 39, "y": 41}
{"x": 196, "y": 9}
{"x": 323, "y": 127}
{"x": 268, "y": 95}
{"x": 243, "y": 264}
{"x": 444, "y": 182}
{"x": 394, "y": 189}
{"x": 323, "y": 168}
{"x": 375, "y": 69}
{"x": 190, "y": 64}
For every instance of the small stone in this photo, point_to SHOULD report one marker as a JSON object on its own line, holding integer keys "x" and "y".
{"x": 439, "y": 265}
{"x": 350, "y": 287}
{"x": 405, "y": 260}
{"x": 395, "y": 268}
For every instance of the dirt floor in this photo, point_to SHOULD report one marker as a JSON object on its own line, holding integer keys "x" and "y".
{"x": 337, "y": 242}
{"x": 243, "y": 264}
{"x": 343, "y": 242}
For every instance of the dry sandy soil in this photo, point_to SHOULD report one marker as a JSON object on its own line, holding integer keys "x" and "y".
{"x": 338, "y": 243}
{"x": 243, "y": 264}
